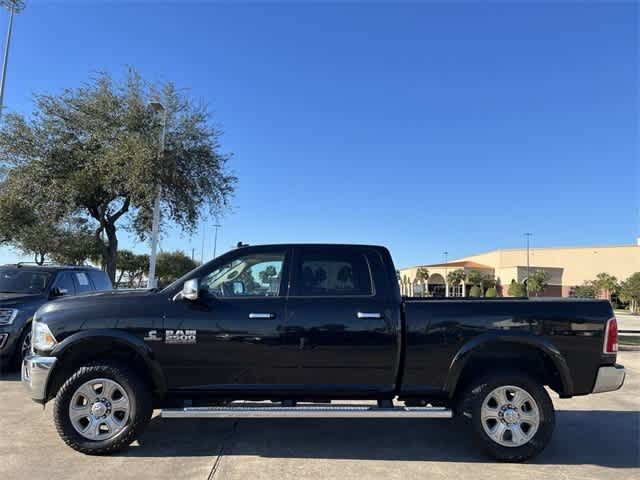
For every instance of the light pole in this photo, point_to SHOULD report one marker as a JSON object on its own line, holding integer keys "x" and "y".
{"x": 527, "y": 236}
{"x": 215, "y": 239}
{"x": 446, "y": 280}
{"x": 14, "y": 6}
{"x": 204, "y": 228}
{"x": 159, "y": 109}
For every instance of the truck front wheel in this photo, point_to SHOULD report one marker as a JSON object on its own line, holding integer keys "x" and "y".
{"x": 102, "y": 408}
{"x": 512, "y": 415}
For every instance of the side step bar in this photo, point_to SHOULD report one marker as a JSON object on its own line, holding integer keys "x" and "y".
{"x": 344, "y": 411}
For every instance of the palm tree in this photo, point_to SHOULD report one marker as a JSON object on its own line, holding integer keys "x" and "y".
{"x": 607, "y": 283}
{"x": 456, "y": 277}
{"x": 422, "y": 276}
{"x": 477, "y": 278}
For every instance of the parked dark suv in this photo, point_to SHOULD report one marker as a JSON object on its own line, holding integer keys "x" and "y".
{"x": 26, "y": 287}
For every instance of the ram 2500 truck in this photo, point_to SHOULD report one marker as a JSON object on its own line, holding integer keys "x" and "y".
{"x": 292, "y": 330}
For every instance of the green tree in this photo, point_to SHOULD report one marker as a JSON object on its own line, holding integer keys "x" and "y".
{"x": 517, "y": 289}
{"x": 270, "y": 272}
{"x": 457, "y": 277}
{"x": 133, "y": 265}
{"x": 606, "y": 283}
{"x": 173, "y": 265}
{"x": 586, "y": 290}
{"x": 422, "y": 276}
{"x": 124, "y": 262}
{"x": 537, "y": 282}
{"x": 480, "y": 279}
{"x": 630, "y": 292}
{"x": 92, "y": 152}
{"x": 42, "y": 231}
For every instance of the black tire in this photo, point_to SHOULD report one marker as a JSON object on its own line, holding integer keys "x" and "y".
{"x": 140, "y": 401}
{"x": 19, "y": 355}
{"x": 471, "y": 406}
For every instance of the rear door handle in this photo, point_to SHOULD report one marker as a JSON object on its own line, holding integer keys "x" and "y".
{"x": 262, "y": 316}
{"x": 369, "y": 315}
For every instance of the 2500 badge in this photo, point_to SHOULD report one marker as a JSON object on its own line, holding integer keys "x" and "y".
{"x": 173, "y": 336}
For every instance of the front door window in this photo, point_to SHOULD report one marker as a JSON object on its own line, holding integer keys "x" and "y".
{"x": 253, "y": 275}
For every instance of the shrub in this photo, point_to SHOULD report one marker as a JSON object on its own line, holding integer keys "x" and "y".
{"x": 475, "y": 291}
{"x": 517, "y": 289}
{"x": 491, "y": 292}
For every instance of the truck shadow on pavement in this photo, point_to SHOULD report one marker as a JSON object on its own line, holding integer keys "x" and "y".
{"x": 605, "y": 438}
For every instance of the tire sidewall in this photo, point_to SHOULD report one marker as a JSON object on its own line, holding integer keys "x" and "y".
{"x": 17, "y": 354}
{"x": 545, "y": 408}
{"x": 139, "y": 400}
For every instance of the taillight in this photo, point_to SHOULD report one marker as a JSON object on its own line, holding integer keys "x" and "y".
{"x": 611, "y": 336}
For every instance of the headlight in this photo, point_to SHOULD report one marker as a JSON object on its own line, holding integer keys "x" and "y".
{"x": 41, "y": 337}
{"x": 7, "y": 315}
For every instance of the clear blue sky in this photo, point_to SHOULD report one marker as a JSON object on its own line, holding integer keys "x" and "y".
{"x": 422, "y": 126}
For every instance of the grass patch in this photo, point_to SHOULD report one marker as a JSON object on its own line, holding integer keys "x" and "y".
{"x": 629, "y": 340}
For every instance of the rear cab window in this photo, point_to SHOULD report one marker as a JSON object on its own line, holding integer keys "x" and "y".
{"x": 331, "y": 272}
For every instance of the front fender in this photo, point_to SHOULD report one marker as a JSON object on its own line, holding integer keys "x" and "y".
{"x": 119, "y": 337}
{"x": 462, "y": 357}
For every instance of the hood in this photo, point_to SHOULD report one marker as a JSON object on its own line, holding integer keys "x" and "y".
{"x": 11, "y": 299}
{"x": 100, "y": 310}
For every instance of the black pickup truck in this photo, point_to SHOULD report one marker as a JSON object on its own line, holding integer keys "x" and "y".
{"x": 298, "y": 330}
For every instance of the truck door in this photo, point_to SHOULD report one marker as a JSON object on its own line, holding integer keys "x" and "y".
{"x": 341, "y": 322}
{"x": 228, "y": 339}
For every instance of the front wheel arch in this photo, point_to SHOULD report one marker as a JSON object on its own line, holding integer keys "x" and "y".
{"x": 91, "y": 349}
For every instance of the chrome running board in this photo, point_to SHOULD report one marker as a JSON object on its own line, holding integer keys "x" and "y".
{"x": 342, "y": 411}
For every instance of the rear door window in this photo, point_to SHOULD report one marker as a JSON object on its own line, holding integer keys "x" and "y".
{"x": 64, "y": 284}
{"x": 82, "y": 282}
{"x": 333, "y": 273}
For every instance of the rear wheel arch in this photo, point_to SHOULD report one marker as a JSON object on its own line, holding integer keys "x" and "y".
{"x": 529, "y": 354}
{"x": 91, "y": 349}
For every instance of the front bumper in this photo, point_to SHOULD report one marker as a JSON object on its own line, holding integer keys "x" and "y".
{"x": 35, "y": 375}
{"x": 609, "y": 379}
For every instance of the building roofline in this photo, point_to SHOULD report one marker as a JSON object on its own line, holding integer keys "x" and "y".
{"x": 627, "y": 245}
{"x": 497, "y": 250}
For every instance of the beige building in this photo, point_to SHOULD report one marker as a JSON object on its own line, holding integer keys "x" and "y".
{"x": 567, "y": 268}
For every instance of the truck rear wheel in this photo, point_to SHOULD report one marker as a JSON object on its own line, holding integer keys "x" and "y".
{"x": 102, "y": 408}
{"x": 511, "y": 414}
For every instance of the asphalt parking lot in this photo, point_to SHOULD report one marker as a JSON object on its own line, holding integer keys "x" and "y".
{"x": 597, "y": 437}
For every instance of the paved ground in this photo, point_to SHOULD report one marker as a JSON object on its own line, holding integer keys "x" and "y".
{"x": 628, "y": 322}
{"x": 597, "y": 437}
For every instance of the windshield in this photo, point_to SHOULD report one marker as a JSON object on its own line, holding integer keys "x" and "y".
{"x": 17, "y": 280}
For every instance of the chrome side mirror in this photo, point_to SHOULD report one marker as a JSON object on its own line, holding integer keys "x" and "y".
{"x": 190, "y": 289}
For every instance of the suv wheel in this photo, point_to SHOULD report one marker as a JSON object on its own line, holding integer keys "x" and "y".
{"x": 512, "y": 415}
{"x": 102, "y": 408}
{"x": 23, "y": 347}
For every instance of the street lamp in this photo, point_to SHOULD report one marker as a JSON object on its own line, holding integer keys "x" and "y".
{"x": 14, "y": 6}
{"x": 527, "y": 236}
{"x": 215, "y": 239}
{"x": 159, "y": 109}
{"x": 446, "y": 273}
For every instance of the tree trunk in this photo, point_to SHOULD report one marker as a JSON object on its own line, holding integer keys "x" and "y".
{"x": 119, "y": 278}
{"x": 110, "y": 251}
{"x": 39, "y": 258}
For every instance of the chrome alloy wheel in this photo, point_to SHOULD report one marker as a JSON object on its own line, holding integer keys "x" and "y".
{"x": 99, "y": 409}
{"x": 510, "y": 416}
{"x": 25, "y": 348}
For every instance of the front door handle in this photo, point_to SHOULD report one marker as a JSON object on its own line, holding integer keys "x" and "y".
{"x": 262, "y": 316}
{"x": 369, "y": 315}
